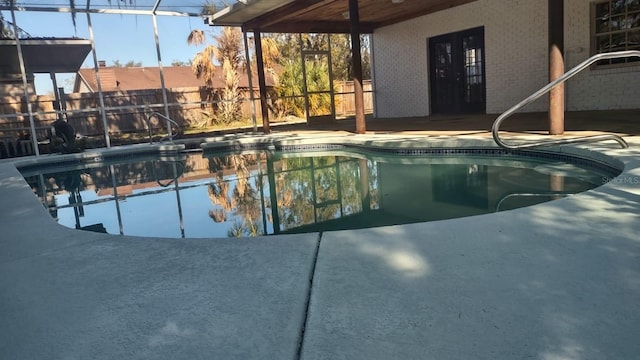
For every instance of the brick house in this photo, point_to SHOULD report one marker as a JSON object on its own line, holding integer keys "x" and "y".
{"x": 513, "y": 42}
{"x": 473, "y": 56}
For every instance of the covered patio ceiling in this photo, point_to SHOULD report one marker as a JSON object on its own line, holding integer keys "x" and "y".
{"x": 323, "y": 16}
{"x": 290, "y": 16}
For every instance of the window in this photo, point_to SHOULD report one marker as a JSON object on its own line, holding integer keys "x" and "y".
{"x": 616, "y": 27}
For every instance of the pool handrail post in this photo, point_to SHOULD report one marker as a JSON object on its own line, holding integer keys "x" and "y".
{"x": 169, "y": 122}
{"x": 495, "y": 129}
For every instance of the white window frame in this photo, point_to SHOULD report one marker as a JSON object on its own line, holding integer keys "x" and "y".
{"x": 617, "y": 31}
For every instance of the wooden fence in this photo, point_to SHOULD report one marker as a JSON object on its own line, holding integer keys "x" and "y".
{"x": 127, "y": 111}
{"x": 345, "y": 103}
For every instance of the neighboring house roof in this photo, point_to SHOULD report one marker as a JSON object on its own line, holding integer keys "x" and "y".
{"x": 141, "y": 78}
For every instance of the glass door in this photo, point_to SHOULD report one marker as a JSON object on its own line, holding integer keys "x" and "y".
{"x": 318, "y": 79}
{"x": 457, "y": 72}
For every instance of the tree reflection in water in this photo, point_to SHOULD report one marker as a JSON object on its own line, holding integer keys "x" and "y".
{"x": 259, "y": 193}
{"x": 306, "y": 191}
{"x": 240, "y": 201}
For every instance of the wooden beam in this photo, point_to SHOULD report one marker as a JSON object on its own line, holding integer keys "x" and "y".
{"x": 361, "y": 126}
{"x": 280, "y": 13}
{"x": 322, "y": 27}
{"x": 373, "y": 14}
{"x": 556, "y": 66}
{"x": 262, "y": 84}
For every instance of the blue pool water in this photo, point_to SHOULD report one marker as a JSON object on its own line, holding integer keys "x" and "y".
{"x": 261, "y": 193}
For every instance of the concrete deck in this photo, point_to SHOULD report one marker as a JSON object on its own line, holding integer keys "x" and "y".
{"x": 559, "y": 280}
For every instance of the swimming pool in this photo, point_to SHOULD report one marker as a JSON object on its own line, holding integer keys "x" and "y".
{"x": 317, "y": 187}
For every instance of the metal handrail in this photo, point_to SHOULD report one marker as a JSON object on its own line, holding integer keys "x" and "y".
{"x": 566, "y": 76}
{"x": 167, "y": 119}
{"x": 177, "y": 175}
{"x": 543, "y": 194}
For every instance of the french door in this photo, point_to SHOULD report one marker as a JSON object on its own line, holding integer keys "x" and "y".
{"x": 456, "y": 72}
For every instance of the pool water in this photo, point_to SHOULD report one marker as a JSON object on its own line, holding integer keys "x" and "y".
{"x": 258, "y": 193}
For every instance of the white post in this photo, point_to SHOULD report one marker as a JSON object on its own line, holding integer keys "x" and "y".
{"x": 164, "y": 89}
{"x": 250, "y": 78}
{"x": 105, "y": 124}
{"x": 25, "y": 83}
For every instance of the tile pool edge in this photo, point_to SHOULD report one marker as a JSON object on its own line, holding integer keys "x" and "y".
{"x": 96, "y": 155}
{"x": 412, "y": 145}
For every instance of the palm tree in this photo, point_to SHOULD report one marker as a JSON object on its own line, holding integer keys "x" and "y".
{"x": 202, "y": 63}
{"x": 270, "y": 51}
{"x": 227, "y": 50}
{"x": 236, "y": 230}
{"x": 229, "y": 45}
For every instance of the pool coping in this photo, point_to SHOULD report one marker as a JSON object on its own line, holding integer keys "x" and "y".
{"x": 32, "y": 243}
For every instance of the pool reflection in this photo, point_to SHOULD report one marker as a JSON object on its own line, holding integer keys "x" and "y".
{"x": 261, "y": 193}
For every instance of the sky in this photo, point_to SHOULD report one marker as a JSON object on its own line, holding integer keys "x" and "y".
{"x": 117, "y": 37}
{"x": 155, "y": 214}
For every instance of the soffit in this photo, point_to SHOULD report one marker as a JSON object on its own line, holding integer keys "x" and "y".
{"x": 324, "y": 15}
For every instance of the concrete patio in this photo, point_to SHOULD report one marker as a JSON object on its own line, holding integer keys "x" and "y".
{"x": 559, "y": 280}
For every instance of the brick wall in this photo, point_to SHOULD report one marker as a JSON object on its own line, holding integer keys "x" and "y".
{"x": 595, "y": 88}
{"x": 516, "y": 59}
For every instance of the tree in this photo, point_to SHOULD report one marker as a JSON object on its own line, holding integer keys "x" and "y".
{"x": 290, "y": 88}
{"x": 230, "y": 95}
{"x": 229, "y": 47}
{"x": 5, "y": 33}
{"x": 130, "y": 63}
{"x": 342, "y": 62}
{"x": 226, "y": 50}
{"x": 270, "y": 52}
{"x": 317, "y": 74}
{"x": 202, "y": 62}
{"x": 180, "y": 63}
{"x": 234, "y": 194}
{"x": 289, "y": 100}
{"x": 209, "y": 8}
{"x": 7, "y": 27}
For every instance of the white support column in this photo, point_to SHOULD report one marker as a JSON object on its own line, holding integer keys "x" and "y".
{"x": 354, "y": 20}
{"x": 25, "y": 83}
{"x": 250, "y": 78}
{"x": 105, "y": 123}
{"x": 164, "y": 89}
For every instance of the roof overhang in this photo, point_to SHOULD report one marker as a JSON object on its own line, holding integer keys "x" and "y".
{"x": 241, "y": 12}
{"x": 323, "y": 16}
{"x": 44, "y": 55}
